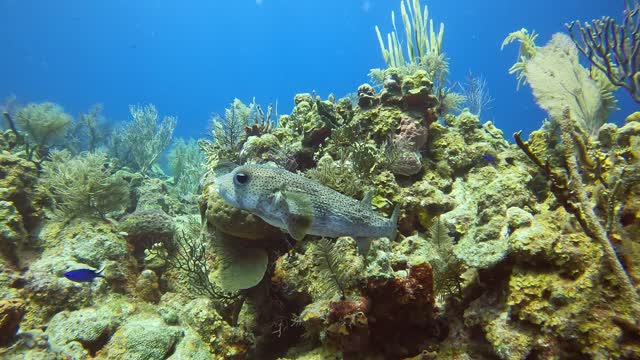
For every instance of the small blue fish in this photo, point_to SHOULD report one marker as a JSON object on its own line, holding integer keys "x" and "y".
{"x": 83, "y": 275}
{"x": 488, "y": 158}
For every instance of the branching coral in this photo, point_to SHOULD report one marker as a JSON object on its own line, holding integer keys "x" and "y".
{"x": 424, "y": 52}
{"x": 476, "y": 94}
{"x": 613, "y": 48}
{"x": 331, "y": 267}
{"x": 83, "y": 185}
{"x": 262, "y": 123}
{"x": 90, "y": 131}
{"x": 43, "y": 124}
{"x": 421, "y": 39}
{"x": 527, "y": 51}
{"x": 228, "y": 133}
{"x": 186, "y": 252}
{"x": 140, "y": 142}
{"x": 448, "y": 272}
{"x": 185, "y": 162}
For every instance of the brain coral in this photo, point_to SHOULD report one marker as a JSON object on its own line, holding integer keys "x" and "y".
{"x": 147, "y": 227}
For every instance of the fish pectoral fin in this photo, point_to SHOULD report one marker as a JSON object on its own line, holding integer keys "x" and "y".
{"x": 297, "y": 226}
{"x": 368, "y": 196}
{"x": 294, "y": 202}
{"x": 298, "y": 212}
{"x": 364, "y": 244}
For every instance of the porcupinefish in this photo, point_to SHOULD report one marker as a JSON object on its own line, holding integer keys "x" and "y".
{"x": 302, "y": 206}
{"x": 83, "y": 275}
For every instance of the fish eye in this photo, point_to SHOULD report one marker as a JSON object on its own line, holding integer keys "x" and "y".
{"x": 241, "y": 178}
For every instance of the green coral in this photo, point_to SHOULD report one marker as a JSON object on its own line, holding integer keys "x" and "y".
{"x": 44, "y": 124}
{"x": 185, "y": 163}
{"x": 228, "y": 133}
{"x": 312, "y": 120}
{"x": 527, "y": 51}
{"x": 421, "y": 39}
{"x": 338, "y": 175}
{"x": 140, "y": 142}
{"x": 331, "y": 267}
{"x": 447, "y": 271}
{"x": 143, "y": 337}
{"x": 82, "y": 186}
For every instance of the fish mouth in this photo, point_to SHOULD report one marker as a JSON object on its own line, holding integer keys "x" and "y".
{"x": 220, "y": 186}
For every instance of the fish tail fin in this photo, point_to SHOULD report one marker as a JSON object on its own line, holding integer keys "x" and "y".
{"x": 99, "y": 272}
{"x": 394, "y": 222}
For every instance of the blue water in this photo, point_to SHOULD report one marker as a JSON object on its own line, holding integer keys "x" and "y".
{"x": 191, "y": 58}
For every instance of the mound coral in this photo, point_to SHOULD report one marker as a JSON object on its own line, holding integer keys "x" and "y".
{"x": 147, "y": 227}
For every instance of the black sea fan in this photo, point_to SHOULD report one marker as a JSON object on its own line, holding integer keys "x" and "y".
{"x": 332, "y": 274}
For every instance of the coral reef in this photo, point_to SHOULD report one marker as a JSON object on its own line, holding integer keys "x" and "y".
{"x": 44, "y": 124}
{"x": 17, "y": 183}
{"x": 11, "y": 313}
{"x": 141, "y": 141}
{"x": 90, "y": 132}
{"x": 554, "y": 92}
{"x": 142, "y": 337}
{"x": 82, "y": 186}
{"x": 608, "y": 46}
{"x": 527, "y": 250}
{"x": 145, "y": 228}
{"x": 186, "y": 165}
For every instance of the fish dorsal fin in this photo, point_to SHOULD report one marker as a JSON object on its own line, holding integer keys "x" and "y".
{"x": 394, "y": 222}
{"x": 366, "y": 200}
{"x": 298, "y": 212}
